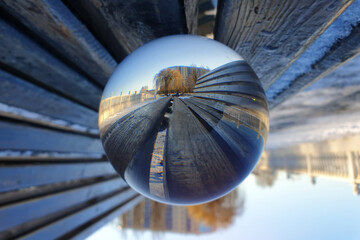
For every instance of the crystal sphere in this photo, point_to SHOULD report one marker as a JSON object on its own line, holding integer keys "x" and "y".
{"x": 183, "y": 119}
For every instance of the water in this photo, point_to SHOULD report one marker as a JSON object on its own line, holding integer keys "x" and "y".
{"x": 303, "y": 191}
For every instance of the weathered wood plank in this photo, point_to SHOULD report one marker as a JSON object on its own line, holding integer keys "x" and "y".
{"x": 230, "y": 108}
{"x": 140, "y": 124}
{"x": 21, "y": 137}
{"x": 240, "y": 77}
{"x": 343, "y": 51}
{"x": 62, "y": 226}
{"x": 24, "y": 55}
{"x": 233, "y": 68}
{"x": 96, "y": 224}
{"x": 244, "y": 101}
{"x": 238, "y": 143}
{"x": 19, "y": 213}
{"x": 38, "y": 100}
{"x": 53, "y": 21}
{"x": 14, "y": 177}
{"x": 23, "y": 194}
{"x": 194, "y": 162}
{"x": 253, "y": 90}
{"x": 123, "y": 26}
{"x": 272, "y": 34}
{"x": 191, "y": 14}
{"x": 19, "y": 114}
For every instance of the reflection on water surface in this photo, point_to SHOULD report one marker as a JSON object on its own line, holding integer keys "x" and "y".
{"x": 311, "y": 185}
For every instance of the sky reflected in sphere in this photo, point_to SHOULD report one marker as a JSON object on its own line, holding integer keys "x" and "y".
{"x": 183, "y": 119}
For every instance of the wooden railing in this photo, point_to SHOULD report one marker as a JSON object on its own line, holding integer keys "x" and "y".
{"x": 116, "y": 104}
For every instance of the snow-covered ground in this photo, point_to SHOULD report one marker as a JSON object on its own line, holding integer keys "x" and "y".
{"x": 327, "y": 109}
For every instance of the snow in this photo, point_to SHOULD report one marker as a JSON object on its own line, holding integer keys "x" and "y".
{"x": 339, "y": 29}
{"x": 328, "y": 109}
{"x": 16, "y": 112}
{"x": 47, "y": 154}
{"x": 345, "y": 75}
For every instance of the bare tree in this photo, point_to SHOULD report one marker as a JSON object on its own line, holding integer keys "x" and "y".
{"x": 169, "y": 81}
{"x": 218, "y": 213}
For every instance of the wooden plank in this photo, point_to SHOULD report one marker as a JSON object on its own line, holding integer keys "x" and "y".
{"x": 96, "y": 224}
{"x": 253, "y": 90}
{"x": 343, "y": 51}
{"x": 226, "y": 107}
{"x": 38, "y": 100}
{"x": 123, "y": 26}
{"x": 20, "y": 53}
{"x": 191, "y": 14}
{"x": 21, "y": 137}
{"x": 227, "y": 70}
{"x": 19, "y": 213}
{"x": 19, "y": 114}
{"x": 14, "y": 177}
{"x": 239, "y": 77}
{"x": 62, "y": 226}
{"x": 271, "y": 35}
{"x": 245, "y": 101}
{"x": 12, "y": 197}
{"x": 53, "y": 22}
{"x": 231, "y": 81}
{"x": 194, "y": 162}
{"x": 238, "y": 141}
{"x": 234, "y": 66}
{"x": 140, "y": 124}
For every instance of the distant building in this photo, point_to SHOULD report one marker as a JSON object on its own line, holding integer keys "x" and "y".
{"x": 186, "y": 71}
{"x": 338, "y": 159}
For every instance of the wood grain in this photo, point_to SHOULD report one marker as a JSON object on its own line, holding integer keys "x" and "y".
{"x": 24, "y": 137}
{"x": 53, "y": 22}
{"x": 123, "y": 26}
{"x": 46, "y": 205}
{"x": 62, "y": 226}
{"x": 270, "y": 35}
{"x": 191, "y": 14}
{"x": 22, "y": 54}
{"x": 140, "y": 124}
{"x": 230, "y": 137}
{"x": 100, "y": 221}
{"x": 345, "y": 50}
{"x": 195, "y": 165}
{"x": 14, "y": 177}
{"x": 38, "y": 100}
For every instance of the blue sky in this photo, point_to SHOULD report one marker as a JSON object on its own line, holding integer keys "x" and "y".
{"x": 140, "y": 67}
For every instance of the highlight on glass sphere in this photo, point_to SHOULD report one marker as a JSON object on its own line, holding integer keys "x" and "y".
{"x": 183, "y": 119}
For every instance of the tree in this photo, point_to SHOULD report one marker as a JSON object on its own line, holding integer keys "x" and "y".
{"x": 194, "y": 75}
{"x": 169, "y": 81}
{"x": 218, "y": 213}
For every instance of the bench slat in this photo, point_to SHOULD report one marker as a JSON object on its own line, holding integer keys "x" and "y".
{"x": 23, "y": 137}
{"x": 22, "y": 54}
{"x": 38, "y": 100}
{"x": 62, "y": 226}
{"x": 13, "y": 177}
{"x": 54, "y": 22}
{"x": 22, "y": 212}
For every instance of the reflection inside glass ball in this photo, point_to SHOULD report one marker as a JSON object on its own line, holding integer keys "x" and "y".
{"x": 183, "y": 119}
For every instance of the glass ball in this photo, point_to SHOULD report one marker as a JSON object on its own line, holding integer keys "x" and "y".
{"x": 183, "y": 119}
